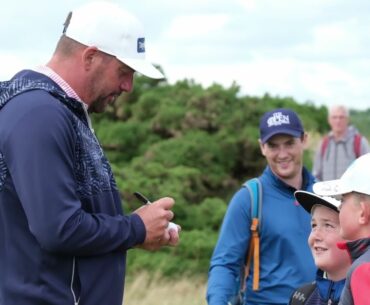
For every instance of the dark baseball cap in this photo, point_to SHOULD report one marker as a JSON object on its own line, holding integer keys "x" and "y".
{"x": 308, "y": 200}
{"x": 280, "y": 121}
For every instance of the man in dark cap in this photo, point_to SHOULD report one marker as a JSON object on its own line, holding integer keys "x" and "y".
{"x": 284, "y": 258}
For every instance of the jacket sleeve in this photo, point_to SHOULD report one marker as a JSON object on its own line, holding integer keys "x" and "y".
{"x": 360, "y": 283}
{"x": 41, "y": 162}
{"x": 230, "y": 252}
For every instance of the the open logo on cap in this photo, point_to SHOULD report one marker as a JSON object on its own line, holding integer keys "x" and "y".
{"x": 278, "y": 119}
{"x": 141, "y": 45}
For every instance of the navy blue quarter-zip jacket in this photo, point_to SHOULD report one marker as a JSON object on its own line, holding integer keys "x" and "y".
{"x": 63, "y": 234}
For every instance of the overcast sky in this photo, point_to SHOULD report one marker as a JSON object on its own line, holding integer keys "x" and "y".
{"x": 311, "y": 50}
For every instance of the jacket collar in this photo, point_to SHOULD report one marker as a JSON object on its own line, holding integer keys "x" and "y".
{"x": 328, "y": 289}
{"x": 28, "y": 80}
{"x": 307, "y": 180}
{"x": 355, "y": 248}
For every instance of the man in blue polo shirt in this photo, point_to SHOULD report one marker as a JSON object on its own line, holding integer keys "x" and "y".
{"x": 285, "y": 258}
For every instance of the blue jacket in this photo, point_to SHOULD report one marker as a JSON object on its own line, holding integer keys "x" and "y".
{"x": 325, "y": 292}
{"x": 63, "y": 235}
{"x": 285, "y": 258}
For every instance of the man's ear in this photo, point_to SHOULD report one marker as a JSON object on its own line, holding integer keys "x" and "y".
{"x": 304, "y": 140}
{"x": 365, "y": 211}
{"x": 88, "y": 57}
{"x": 262, "y": 147}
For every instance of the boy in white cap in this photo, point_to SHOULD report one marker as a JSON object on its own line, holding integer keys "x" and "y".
{"x": 354, "y": 190}
{"x": 63, "y": 234}
{"x": 332, "y": 263}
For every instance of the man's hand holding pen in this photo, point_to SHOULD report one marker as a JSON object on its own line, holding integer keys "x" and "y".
{"x": 156, "y": 217}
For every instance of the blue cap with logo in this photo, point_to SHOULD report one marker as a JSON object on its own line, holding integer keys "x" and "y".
{"x": 280, "y": 121}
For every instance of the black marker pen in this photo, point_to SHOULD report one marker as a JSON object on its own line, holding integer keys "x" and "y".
{"x": 142, "y": 198}
{"x": 145, "y": 200}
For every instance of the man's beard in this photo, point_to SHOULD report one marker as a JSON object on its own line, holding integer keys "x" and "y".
{"x": 102, "y": 102}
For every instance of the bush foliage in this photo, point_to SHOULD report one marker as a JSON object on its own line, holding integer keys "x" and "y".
{"x": 195, "y": 144}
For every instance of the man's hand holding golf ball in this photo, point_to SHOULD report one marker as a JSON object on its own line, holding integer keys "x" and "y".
{"x": 157, "y": 216}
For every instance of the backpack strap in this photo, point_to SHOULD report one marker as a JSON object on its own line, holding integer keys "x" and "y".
{"x": 300, "y": 296}
{"x": 324, "y": 145}
{"x": 357, "y": 144}
{"x": 255, "y": 190}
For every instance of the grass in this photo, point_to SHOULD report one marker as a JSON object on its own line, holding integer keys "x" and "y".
{"x": 153, "y": 290}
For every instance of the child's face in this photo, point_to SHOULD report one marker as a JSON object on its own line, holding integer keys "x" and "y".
{"x": 349, "y": 215}
{"x": 323, "y": 243}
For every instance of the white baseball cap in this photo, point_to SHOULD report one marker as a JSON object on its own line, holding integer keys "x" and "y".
{"x": 308, "y": 200}
{"x": 355, "y": 179}
{"x": 112, "y": 30}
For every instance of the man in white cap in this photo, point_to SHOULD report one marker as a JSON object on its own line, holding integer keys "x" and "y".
{"x": 63, "y": 234}
{"x": 354, "y": 190}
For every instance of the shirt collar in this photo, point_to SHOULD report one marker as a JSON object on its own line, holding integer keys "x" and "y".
{"x": 65, "y": 87}
{"x": 60, "y": 81}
